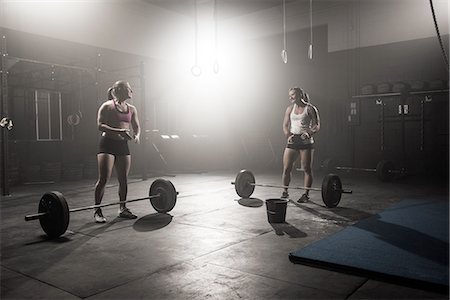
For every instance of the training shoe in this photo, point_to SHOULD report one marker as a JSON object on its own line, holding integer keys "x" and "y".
{"x": 285, "y": 195}
{"x": 127, "y": 214}
{"x": 98, "y": 216}
{"x": 303, "y": 199}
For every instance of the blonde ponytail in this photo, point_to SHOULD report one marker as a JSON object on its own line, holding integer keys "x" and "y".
{"x": 110, "y": 93}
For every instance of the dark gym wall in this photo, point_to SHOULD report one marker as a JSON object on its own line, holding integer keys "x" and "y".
{"x": 410, "y": 62}
{"x": 82, "y": 90}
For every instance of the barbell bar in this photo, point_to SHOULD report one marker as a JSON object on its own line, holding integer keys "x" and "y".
{"x": 39, "y": 215}
{"x": 331, "y": 187}
{"x": 385, "y": 169}
{"x": 54, "y": 213}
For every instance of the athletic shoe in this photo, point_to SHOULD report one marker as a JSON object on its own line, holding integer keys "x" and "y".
{"x": 98, "y": 216}
{"x": 285, "y": 195}
{"x": 127, "y": 214}
{"x": 303, "y": 199}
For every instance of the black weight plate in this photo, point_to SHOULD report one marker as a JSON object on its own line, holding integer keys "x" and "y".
{"x": 384, "y": 170}
{"x": 55, "y": 223}
{"x": 243, "y": 185}
{"x": 331, "y": 190}
{"x": 168, "y": 195}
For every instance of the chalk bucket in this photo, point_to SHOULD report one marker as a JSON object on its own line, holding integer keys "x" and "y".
{"x": 276, "y": 210}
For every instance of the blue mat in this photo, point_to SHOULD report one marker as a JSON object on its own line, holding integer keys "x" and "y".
{"x": 405, "y": 244}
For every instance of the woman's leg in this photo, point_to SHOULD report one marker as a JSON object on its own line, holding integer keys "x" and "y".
{"x": 306, "y": 159}
{"x": 289, "y": 157}
{"x": 105, "y": 165}
{"x": 122, "y": 165}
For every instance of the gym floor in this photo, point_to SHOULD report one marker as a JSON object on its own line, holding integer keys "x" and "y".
{"x": 211, "y": 245}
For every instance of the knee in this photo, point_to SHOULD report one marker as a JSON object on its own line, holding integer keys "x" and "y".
{"x": 287, "y": 171}
{"x": 307, "y": 170}
{"x": 102, "y": 181}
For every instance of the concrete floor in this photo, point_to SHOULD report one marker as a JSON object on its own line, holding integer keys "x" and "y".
{"x": 212, "y": 245}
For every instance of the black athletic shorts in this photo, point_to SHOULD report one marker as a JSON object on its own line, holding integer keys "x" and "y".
{"x": 299, "y": 144}
{"x": 114, "y": 147}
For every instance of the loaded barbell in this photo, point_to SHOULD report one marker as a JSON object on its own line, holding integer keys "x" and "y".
{"x": 53, "y": 211}
{"x": 385, "y": 169}
{"x": 331, "y": 187}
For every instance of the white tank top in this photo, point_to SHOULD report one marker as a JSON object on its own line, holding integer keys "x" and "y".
{"x": 301, "y": 122}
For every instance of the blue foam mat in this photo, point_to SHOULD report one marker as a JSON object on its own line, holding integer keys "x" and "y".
{"x": 405, "y": 244}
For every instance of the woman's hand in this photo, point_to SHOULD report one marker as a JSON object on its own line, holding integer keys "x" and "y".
{"x": 137, "y": 139}
{"x": 289, "y": 138}
{"x": 125, "y": 133}
{"x": 305, "y": 135}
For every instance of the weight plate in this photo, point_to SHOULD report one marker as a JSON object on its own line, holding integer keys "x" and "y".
{"x": 384, "y": 170}
{"x": 168, "y": 195}
{"x": 243, "y": 182}
{"x": 330, "y": 165}
{"x": 55, "y": 223}
{"x": 331, "y": 190}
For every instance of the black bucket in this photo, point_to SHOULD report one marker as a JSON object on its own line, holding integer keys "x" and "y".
{"x": 276, "y": 210}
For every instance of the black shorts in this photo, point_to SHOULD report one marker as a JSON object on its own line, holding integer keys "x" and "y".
{"x": 299, "y": 144}
{"x": 114, "y": 147}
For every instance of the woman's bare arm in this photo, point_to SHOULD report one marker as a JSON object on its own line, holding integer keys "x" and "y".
{"x": 135, "y": 124}
{"x": 287, "y": 122}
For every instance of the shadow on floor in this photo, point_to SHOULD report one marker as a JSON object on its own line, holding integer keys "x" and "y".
{"x": 290, "y": 230}
{"x": 45, "y": 239}
{"x": 251, "y": 202}
{"x": 152, "y": 222}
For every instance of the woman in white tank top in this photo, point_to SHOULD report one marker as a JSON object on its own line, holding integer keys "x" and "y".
{"x": 301, "y": 122}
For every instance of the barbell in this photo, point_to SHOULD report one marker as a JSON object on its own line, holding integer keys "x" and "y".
{"x": 331, "y": 187}
{"x": 53, "y": 211}
{"x": 385, "y": 169}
